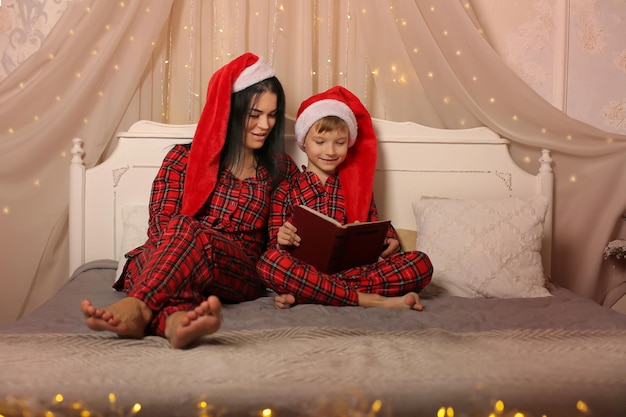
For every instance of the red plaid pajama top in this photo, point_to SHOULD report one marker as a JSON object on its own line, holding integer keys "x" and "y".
{"x": 394, "y": 276}
{"x": 187, "y": 258}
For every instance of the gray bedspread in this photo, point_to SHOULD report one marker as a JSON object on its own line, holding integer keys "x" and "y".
{"x": 555, "y": 356}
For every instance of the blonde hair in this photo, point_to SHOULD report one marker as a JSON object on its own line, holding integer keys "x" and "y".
{"x": 330, "y": 124}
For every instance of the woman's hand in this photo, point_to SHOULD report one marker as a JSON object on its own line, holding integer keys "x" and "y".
{"x": 391, "y": 246}
{"x": 287, "y": 236}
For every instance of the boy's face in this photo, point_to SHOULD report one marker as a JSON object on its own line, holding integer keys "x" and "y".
{"x": 325, "y": 151}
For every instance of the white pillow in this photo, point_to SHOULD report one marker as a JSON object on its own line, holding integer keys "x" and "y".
{"x": 484, "y": 248}
{"x": 134, "y": 232}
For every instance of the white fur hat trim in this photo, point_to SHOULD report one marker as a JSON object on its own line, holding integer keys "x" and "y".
{"x": 253, "y": 74}
{"x": 320, "y": 109}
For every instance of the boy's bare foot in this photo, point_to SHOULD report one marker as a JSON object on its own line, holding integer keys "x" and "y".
{"x": 127, "y": 318}
{"x": 409, "y": 300}
{"x": 182, "y": 328}
{"x": 284, "y": 301}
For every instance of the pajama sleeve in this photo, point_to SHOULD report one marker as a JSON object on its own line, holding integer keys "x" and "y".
{"x": 167, "y": 190}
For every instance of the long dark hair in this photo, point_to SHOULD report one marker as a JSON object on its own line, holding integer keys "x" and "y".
{"x": 240, "y": 104}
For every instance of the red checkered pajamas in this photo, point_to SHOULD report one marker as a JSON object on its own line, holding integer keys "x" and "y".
{"x": 187, "y": 258}
{"x": 396, "y": 275}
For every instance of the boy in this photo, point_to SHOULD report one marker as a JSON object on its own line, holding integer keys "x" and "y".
{"x": 335, "y": 130}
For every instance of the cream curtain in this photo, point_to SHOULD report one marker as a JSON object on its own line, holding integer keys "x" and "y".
{"x": 420, "y": 60}
{"x": 78, "y": 84}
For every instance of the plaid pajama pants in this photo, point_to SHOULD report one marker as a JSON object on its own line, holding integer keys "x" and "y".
{"x": 394, "y": 276}
{"x": 190, "y": 262}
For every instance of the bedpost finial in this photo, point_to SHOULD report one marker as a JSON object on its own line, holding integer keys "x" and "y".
{"x": 78, "y": 152}
{"x": 545, "y": 161}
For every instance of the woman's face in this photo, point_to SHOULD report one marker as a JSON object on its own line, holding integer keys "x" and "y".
{"x": 261, "y": 120}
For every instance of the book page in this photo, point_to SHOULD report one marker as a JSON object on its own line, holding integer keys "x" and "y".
{"x": 322, "y": 215}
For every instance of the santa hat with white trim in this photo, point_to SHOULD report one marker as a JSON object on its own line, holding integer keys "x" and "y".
{"x": 356, "y": 173}
{"x": 208, "y": 141}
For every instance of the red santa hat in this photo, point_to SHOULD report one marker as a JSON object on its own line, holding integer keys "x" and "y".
{"x": 356, "y": 173}
{"x": 208, "y": 141}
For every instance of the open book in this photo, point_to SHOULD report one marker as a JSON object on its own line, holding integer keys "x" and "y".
{"x": 331, "y": 247}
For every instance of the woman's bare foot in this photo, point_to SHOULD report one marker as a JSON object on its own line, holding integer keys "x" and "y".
{"x": 409, "y": 300}
{"x": 284, "y": 301}
{"x": 412, "y": 300}
{"x": 182, "y": 328}
{"x": 127, "y": 318}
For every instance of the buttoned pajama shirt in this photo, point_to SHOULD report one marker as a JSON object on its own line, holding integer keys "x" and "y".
{"x": 393, "y": 276}
{"x": 187, "y": 258}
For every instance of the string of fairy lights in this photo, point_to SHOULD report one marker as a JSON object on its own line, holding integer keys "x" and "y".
{"x": 60, "y": 407}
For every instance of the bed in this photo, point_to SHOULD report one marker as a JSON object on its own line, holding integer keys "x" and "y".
{"x": 495, "y": 338}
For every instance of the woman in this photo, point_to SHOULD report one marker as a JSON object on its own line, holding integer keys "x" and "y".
{"x": 208, "y": 214}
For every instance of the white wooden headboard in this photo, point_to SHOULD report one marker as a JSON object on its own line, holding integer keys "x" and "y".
{"x": 413, "y": 160}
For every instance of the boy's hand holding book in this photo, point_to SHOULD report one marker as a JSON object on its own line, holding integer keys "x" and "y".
{"x": 287, "y": 236}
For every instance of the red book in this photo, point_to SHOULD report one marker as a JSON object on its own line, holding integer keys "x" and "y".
{"x": 331, "y": 247}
